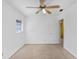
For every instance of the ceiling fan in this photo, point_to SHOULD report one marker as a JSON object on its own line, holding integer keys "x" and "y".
{"x": 43, "y": 7}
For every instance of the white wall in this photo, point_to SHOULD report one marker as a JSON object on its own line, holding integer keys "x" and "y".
{"x": 70, "y": 32}
{"x": 11, "y": 42}
{"x": 42, "y": 29}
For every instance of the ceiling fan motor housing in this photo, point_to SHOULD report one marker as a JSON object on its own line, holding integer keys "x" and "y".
{"x": 43, "y": 6}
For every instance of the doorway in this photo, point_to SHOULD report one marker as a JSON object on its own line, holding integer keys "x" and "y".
{"x": 61, "y": 24}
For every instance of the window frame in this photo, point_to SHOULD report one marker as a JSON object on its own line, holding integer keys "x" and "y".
{"x": 17, "y": 25}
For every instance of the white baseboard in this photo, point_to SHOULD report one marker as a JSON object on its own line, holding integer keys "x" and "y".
{"x": 14, "y": 51}
{"x": 42, "y": 43}
{"x": 70, "y": 52}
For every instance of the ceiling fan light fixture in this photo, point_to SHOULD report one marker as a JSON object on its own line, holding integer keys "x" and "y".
{"x": 44, "y": 8}
{"x": 44, "y": 11}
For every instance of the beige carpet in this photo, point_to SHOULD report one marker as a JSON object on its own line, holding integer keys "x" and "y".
{"x": 42, "y": 52}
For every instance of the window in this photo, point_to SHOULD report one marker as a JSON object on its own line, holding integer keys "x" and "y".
{"x": 18, "y": 26}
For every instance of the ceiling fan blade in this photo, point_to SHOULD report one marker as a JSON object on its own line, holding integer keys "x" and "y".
{"x": 48, "y": 11}
{"x": 32, "y": 7}
{"x": 38, "y": 11}
{"x": 42, "y": 2}
{"x": 55, "y": 6}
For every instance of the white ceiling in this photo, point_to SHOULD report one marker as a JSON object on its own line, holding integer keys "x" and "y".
{"x": 21, "y": 5}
